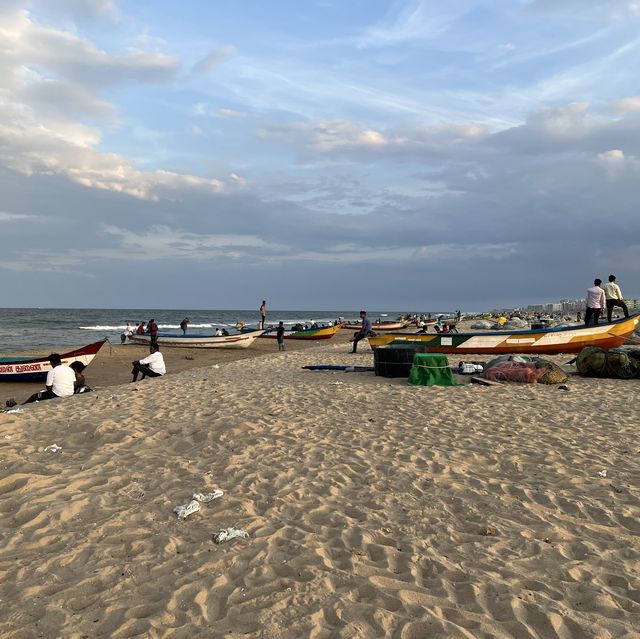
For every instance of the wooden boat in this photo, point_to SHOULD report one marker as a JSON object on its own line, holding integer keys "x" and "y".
{"x": 377, "y": 326}
{"x": 240, "y": 340}
{"x": 545, "y": 341}
{"x": 34, "y": 369}
{"x": 324, "y": 332}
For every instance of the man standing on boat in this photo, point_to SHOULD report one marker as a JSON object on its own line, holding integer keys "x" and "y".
{"x": 365, "y": 329}
{"x": 263, "y": 314}
{"x": 595, "y": 303}
{"x": 614, "y": 297}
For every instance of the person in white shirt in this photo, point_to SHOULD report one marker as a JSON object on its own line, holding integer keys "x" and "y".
{"x": 595, "y": 303}
{"x": 150, "y": 366}
{"x": 614, "y": 297}
{"x": 60, "y": 381}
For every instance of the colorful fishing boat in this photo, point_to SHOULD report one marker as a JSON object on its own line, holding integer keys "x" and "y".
{"x": 546, "y": 341}
{"x": 35, "y": 368}
{"x": 323, "y": 332}
{"x": 170, "y": 340}
{"x": 377, "y": 326}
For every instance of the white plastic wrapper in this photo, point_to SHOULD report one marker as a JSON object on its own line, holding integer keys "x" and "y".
{"x": 187, "y": 509}
{"x": 193, "y": 506}
{"x": 205, "y": 498}
{"x": 226, "y": 534}
{"x": 54, "y": 448}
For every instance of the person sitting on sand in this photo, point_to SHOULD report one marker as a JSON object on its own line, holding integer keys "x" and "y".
{"x": 150, "y": 366}
{"x": 80, "y": 386}
{"x": 60, "y": 381}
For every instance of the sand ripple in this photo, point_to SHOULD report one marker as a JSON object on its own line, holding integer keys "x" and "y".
{"x": 374, "y": 509}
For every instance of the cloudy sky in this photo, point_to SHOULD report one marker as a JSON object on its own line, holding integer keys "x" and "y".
{"x": 325, "y": 154}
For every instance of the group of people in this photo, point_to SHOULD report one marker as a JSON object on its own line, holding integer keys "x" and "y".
{"x": 603, "y": 296}
{"x": 62, "y": 380}
{"x": 150, "y": 328}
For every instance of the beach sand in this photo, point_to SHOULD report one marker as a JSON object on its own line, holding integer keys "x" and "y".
{"x": 374, "y": 509}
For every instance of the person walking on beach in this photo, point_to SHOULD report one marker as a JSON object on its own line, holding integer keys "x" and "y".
{"x": 150, "y": 366}
{"x": 263, "y": 314}
{"x": 613, "y": 296}
{"x": 183, "y": 325}
{"x": 280, "y": 336}
{"x": 60, "y": 381}
{"x": 595, "y": 303}
{"x": 152, "y": 329}
{"x": 140, "y": 328}
{"x": 365, "y": 329}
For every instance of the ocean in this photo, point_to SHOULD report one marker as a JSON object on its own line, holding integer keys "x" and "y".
{"x": 54, "y": 329}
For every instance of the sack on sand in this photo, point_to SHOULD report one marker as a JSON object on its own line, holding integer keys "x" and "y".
{"x": 593, "y": 361}
{"x": 539, "y": 372}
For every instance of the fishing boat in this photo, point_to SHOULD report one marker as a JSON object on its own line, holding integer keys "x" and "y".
{"x": 543, "y": 341}
{"x": 35, "y": 368}
{"x": 170, "y": 340}
{"x": 377, "y": 326}
{"x": 323, "y": 332}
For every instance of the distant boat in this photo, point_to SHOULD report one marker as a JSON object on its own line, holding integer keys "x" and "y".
{"x": 323, "y": 332}
{"x": 34, "y": 369}
{"x": 240, "y": 340}
{"x": 542, "y": 341}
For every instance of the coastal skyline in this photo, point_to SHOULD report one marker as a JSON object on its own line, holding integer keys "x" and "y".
{"x": 321, "y": 155}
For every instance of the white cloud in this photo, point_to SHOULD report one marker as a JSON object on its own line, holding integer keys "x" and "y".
{"x": 342, "y": 135}
{"x": 50, "y": 83}
{"x": 11, "y": 217}
{"x": 231, "y": 113}
{"x": 628, "y": 105}
{"x": 214, "y": 58}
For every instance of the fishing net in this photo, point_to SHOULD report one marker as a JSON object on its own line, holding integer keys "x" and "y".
{"x": 538, "y": 372}
{"x": 615, "y": 363}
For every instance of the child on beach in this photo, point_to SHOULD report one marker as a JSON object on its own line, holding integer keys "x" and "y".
{"x": 280, "y": 336}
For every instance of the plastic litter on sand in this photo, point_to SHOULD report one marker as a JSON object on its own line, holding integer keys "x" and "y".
{"x": 226, "y": 534}
{"x": 184, "y": 510}
{"x": 54, "y": 448}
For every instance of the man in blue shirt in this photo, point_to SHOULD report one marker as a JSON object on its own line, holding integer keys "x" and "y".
{"x": 364, "y": 331}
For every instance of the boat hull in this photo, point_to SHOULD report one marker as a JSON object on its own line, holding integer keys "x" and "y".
{"x": 326, "y": 332}
{"x": 533, "y": 342}
{"x": 384, "y": 326}
{"x": 242, "y": 340}
{"x": 34, "y": 369}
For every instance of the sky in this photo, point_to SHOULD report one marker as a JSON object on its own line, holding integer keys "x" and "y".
{"x": 326, "y": 154}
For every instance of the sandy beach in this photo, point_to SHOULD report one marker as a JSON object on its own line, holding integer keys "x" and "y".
{"x": 373, "y": 509}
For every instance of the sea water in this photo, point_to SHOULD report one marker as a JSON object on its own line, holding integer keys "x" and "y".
{"x": 56, "y": 328}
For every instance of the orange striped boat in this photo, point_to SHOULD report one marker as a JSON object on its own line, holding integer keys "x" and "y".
{"x": 547, "y": 341}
